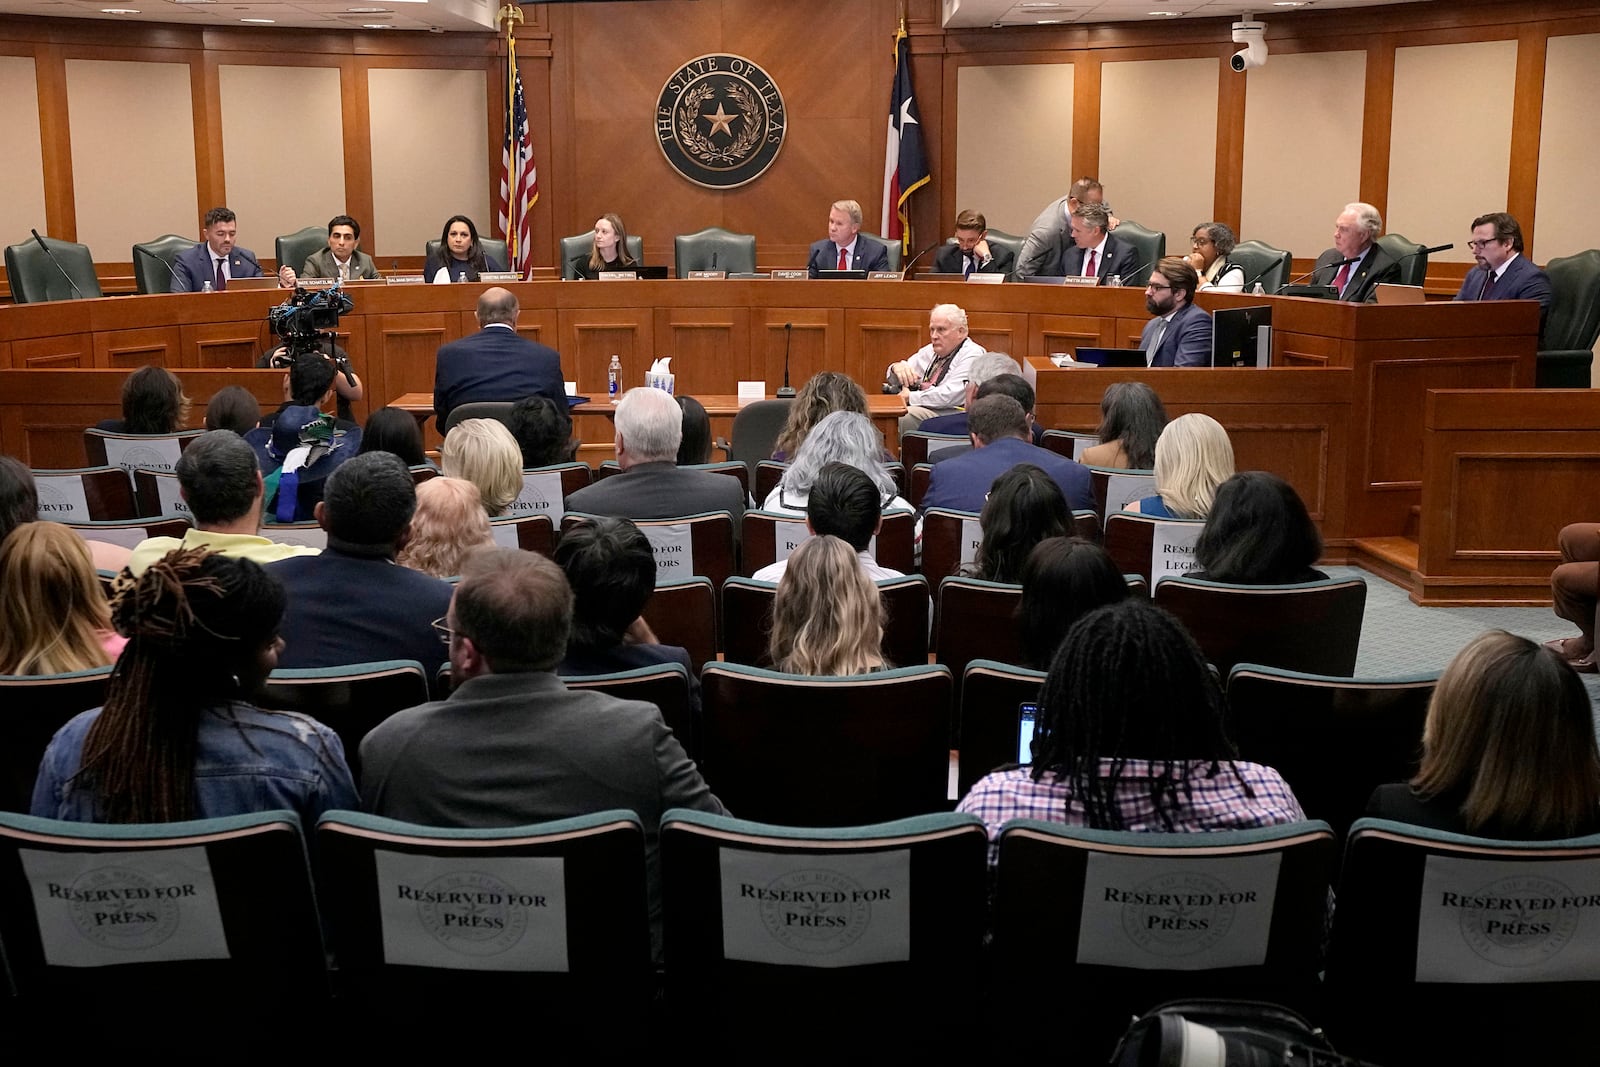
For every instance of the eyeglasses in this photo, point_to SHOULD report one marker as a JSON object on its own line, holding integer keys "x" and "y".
{"x": 1157, "y": 288}
{"x": 1199, "y": 241}
{"x": 1479, "y": 246}
{"x": 441, "y": 626}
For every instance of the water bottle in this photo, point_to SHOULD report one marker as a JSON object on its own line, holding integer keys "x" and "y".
{"x": 614, "y": 377}
{"x": 207, "y": 287}
{"x": 462, "y": 277}
{"x": 1258, "y": 291}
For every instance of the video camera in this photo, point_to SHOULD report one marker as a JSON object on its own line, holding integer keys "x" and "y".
{"x": 308, "y": 318}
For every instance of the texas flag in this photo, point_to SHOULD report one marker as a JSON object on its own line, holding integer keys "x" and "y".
{"x": 905, "y": 167}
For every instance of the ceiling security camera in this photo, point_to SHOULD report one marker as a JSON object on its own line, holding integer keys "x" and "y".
{"x": 1253, "y": 35}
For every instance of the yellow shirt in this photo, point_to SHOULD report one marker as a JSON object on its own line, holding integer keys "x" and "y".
{"x": 239, "y": 546}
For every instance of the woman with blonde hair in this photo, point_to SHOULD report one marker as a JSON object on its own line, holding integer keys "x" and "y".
{"x": 449, "y": 522}
{"x": 827, "y": 617}
{"x": 1193, "y": 458}
{"x": 483, "y": 452}
{"x": 609, "y": 251}
{"x": 53, "y": 616}
{"x": 1508, "y": 748}
{"x": 822, "y": 395}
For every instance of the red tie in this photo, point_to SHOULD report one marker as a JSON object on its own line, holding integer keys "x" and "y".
{"x": 1088, "y": 265}
{"x": 1342, "y": 277}
{"x": 844, "y": 264}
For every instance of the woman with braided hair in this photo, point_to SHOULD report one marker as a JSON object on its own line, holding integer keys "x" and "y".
{"x": 176, "y": 738}
{"x": 1130, "y": 737}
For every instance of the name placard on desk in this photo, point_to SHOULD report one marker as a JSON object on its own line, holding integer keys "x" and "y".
{"x": 791, "y": 275}
{"x": 884, "y": 276}
{"x": 715, "y": 274}
{"x": 618, "y": 275}
{"x": 405, "y": 279}
{"x": 499, "y": 276}
{"x": 315, "y": 283}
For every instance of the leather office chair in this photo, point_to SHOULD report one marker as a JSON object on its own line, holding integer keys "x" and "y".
{"x": 896, "y": 252}
{"x": 498, "y": 410}
{"x": 1009, "y": 241}
{"x": 295, "y": 248}
{"x": 349, "y": 700}
{"x": 1149, "y": 246}
{"x": 714, "y": 248}
{"x": 1566, "y": 352}
{"x": 34, "y": 279}
{"x": 1263, "y": 265}
{"x": 1412, "y": 256}
{"x": 755, "y": 431}
{"x": 493, "y": 248}
{"x": 582, "y": 243}
{"x": 37, "y": 705}
{"x": 153, "y": 262}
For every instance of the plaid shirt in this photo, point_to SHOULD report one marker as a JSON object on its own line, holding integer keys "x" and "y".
{"x": 1219, "y": 801}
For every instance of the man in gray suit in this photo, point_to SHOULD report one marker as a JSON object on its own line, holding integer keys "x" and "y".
{"x": 1051, "y": 234}
{"x": 649, "y": 428}
{"x": 342, "y": 258}
{"x": 513, "y": 745}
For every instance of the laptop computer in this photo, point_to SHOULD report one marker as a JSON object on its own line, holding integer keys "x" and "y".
{"x": 836, "y": 275}
{"x": 1111, "y": 357}
{"x": 269, "y": 281}
{"x": 1391, "y": 293}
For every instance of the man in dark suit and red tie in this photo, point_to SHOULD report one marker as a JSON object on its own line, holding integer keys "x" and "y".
{"x": 1096, "y": 252}
{"x": 845, "y": 248}
{"x": 1356, "y": 265}
{"x": 1503, "y": 273}
{"x": 218, "y": 259}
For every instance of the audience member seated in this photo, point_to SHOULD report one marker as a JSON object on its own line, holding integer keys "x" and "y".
{"x": 934, "y": 380}
{"x": 824, "y": 393}
{"x": 19, "y": 505}
{"x": 460, "y": 256}
{"x": 612, "y": 571}
{"x": 220, "y": 482}
{"x": 649, "y": 429}
{"x": 234, "y": 408}
{"x": 299, "y": 446}
{"x": 846, "y": 503}
{"x": 483, "y": 452}
{"x": 1013, "y": 385}
{"x": 999, "y": 432}
{"x": 1131, "y": 420}
{"x": 512, "y": 745}
{"x": 609, "y": 252}
{"x": 1024, "y": 508}
{"x": 827, "y": 616}
{"x": 351, "y": 604}
{"x": 1258, "y": 533}
{"x": 1575, "y": 585}
{"x": 543, "y": 431}
{"x": 696, "y": 444}
{"x": 1130, "y": 736}
{"x": 1508, "y": 749}
{"x": 1193, "y": 458}
{"x": 842, "y": 437}
{"x": 1063, "y": 580}
{"x": 176, "y": 738}
{"x": 449, "y": 522}
{"x": 396, "y": 431}
{"x": 1212, "y": 241}
{"x": 984, "y": 368}
{"x": 53, "y": 615}
{"x": 153, "y": 401}
{"x": 496, "y": 364}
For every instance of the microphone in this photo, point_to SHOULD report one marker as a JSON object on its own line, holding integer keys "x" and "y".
{"x": 170, "y": 271}
{"x": 787, "y": 392}
{"x": 57, "y": 262}
{"x": 907, "y": 268}
{"x": 1336, "y": 264}
{"x": 1425, "y": 251}
{"x": 713, "y": 259}
{"x": 1134, "y": 273}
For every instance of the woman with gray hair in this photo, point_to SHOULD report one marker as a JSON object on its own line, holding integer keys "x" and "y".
{"x": 846, "y": 437}
{"x": 1212, "y": 242}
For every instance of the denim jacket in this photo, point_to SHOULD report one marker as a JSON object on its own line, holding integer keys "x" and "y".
{"x": 245, "y": 760}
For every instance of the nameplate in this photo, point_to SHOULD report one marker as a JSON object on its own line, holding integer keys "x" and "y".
{"x": 405, "y": 279}
{"x": 618, "y": 275}
{"x": 316, "y": 283}
{"x": 713, "y": 274}
{"x": 1172, "y": 550}
{"x": 885, "y": 276}
{"x": 791, "y": 275}
{"x": 814, "y": 910}
{"x": 61, "y": 498}
{"x": 749, "y": 391}
{"x": 1080, "y": 281}
{"x": 981, "y": 278}
{"x": 499, "y": 276}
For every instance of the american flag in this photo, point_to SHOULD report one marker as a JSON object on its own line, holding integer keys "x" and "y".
{"x": 519, "y": 179}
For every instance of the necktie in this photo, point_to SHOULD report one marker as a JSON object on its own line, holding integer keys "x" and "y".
{"x": 1155, "y": 339}
{"x": 972, "y": 264}
{"x": 1487, "y": 292}
{"x": 1340, "y": 279}
{"x": 844, "y": 263}
{"x": 1089, "y": 265}
{"x": 221, "y": 282}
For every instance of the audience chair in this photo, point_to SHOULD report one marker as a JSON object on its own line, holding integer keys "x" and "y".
{"x": 1453, "y": 949}
{"x": 714, "y": 248}
{"x": 810, "y": 751}
{"x": 1114, "y": 489}
{"x": 305, "y": 534}
{"x": 732, "y": 468}
{"x": 921, "y": 475}
{"x": 894, "y": 248}
{"x": 85, "y": 494}
{"x": 1263, "y": 265}
{"x": 348, "y": 700}
{"x": 986, "y": 736}
{"x": 557, "y": 916}
{"x": 768, "y": 473}
{"x": 158, "y": 494}
{"x": 1412, "y": 257}
{"x": 1566, "y": 349}
{"x": 1334, "y": 740}
{"x": 1068, "y": 443}
{"x": 666, "y": 685}
{"x": 130, "y": 533}
{"x": 422, "y": 473}
{"x": 498, "y": 410}
{"x": 1135, "y": 919}
{"x": 950, "y": 541}
{"x": 893, "y": 923}
{"x": 35, "y": 278}
{"x": 531, "y": 533}
{"x": 765, "y": 536}
{"x": 1150, "y": 245}
{"x": 493, "y": 247}
{"x": 747, "y": 620}
{"x": 136, "y": 451}
{"x": 581, "y": 244}
{"x": 36, "y": 706}
{"x": 755, "y": 432}
{"x": 696, "y": 544}
{"x": 293, "y": 249}
{"x": 208, "y": 914}
{"x": 545, "y": 489}
{"x": 976, "y": 619}
{"x": 1313, "y": 627}
{"x": 919, "y": 446}
{"x": 1130, "y": 540}
{"x": 683, "y": 612}
{"x": 154, "y": 262}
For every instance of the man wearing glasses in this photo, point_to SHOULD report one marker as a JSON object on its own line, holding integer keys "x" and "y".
{"x": 1355, "y": 266}
{"x": 1503, "y": 273}
{"x": 1180, "y": 333}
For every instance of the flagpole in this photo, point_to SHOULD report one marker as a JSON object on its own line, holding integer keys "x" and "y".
{"x": 511, "y": 14}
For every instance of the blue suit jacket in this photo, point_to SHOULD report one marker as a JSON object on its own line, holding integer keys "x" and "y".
{"x": 1187, "y": 342}
{"x": 196, "y": 266}
{"x": 1522, "y": 280}
{"x": 962, "y": 482}
{"x": 494, "y": 364}
{"x": 1120, "y": 258}
{"x": 869, "y": 255}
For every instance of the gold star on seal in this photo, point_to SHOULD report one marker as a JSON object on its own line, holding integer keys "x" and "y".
{"x": 720, "y": 121}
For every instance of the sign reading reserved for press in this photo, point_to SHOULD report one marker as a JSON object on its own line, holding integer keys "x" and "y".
{"x": 816, "y": 910}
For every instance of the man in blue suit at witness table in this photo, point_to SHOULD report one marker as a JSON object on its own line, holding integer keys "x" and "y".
{"x": 999, "y": 432}
{"x": 218, "y": 259}
{"x": 1503, "y": 273}
{"x": 845, "y": 248}
{"x": 1180, "y": 333}
{"x": 496, "y": 363}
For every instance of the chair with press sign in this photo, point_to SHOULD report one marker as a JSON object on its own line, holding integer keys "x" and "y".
{"x": 1108, "y": 923}
{"x": 136, "y": 918}
{"x": 685, "y": 545}
{"x": 1454, "y": 949}
{"x": 553, "y": 914}
{"x": 830, "y": 941}
{"x": 1313, "y": 627}
{"x": 545, "y": 489}
{"x": 85, "y": 494}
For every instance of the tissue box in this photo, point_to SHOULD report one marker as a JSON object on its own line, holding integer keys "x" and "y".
{"x": 657, "y": 380}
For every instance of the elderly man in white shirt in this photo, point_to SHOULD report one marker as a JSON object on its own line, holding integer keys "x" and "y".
{"x": 934, "y": 380}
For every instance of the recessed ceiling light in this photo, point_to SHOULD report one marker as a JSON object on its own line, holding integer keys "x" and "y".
{"x": 262, "y": 21}
{"x": 1048, "y": 22}
{"x": 1040, "y": 3}
{"x": 1291, "y": 3}
{"x": 186, "y": 2}
{"x": 1164, "y": 14}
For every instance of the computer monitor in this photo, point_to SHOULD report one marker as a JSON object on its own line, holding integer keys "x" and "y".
{"x": 1241, "y": 337}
